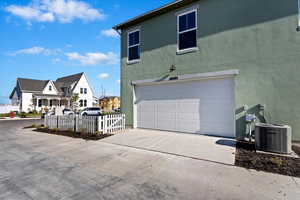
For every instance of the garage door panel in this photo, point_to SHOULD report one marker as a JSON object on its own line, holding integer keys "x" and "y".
{"x": 146, "y": 107}
{"x": 165, "y": 106}
{"x": 166, "y": 124}
{"x": 188, "y": 116}
{"x": 166, "y": 115}
{"x": 188, "y": 105}
{"x": 189, "y": 126}
{"x": 196, "y": 107}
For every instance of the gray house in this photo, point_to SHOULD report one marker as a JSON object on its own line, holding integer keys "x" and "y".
{"x": 199, "y": 66}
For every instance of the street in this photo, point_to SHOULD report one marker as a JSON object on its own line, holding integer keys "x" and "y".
{"x": 41, "y": 166}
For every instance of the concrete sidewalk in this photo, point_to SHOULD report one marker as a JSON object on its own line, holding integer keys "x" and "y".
{"x": 213, "y": 149}
{"x": 17, "y": 118}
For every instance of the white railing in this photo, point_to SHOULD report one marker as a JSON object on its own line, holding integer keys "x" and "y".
{"x": 87, "y": 124}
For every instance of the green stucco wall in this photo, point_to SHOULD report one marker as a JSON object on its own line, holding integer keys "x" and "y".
{"x": 258, "y": 37}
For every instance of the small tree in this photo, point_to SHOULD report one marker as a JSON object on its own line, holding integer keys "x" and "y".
{"x": 74, "y": 101}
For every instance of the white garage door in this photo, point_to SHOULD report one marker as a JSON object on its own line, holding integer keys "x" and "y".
{"x": 205, "y": 107}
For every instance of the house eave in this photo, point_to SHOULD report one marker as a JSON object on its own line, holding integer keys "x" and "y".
{"x": 153, "y": 13}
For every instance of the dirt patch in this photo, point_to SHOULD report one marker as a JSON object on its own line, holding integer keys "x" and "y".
{"x": 246, "y": 156}
{"x": 85, "y": 136}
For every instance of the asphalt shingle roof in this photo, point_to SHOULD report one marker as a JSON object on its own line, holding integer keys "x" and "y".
{"x": 31, "y": 84}
{"x": 39, "y": 85}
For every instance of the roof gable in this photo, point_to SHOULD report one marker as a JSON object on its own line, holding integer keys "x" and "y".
{"x": 46, "y": 88}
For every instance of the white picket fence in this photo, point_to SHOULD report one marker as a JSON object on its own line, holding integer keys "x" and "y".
{"x": 8, "y": 108}
{"x": 87, "y": 124}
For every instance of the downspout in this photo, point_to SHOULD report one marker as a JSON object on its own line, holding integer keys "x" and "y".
{"x": 298, "y": 27}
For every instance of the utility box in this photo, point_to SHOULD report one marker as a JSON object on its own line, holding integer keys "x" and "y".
{"x": 273, "y": 138}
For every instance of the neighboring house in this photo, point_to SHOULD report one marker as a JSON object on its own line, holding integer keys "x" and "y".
{"x": 42, "y": 95}
{"x": 192, "y": 66}
{"x": 109, "y": 103}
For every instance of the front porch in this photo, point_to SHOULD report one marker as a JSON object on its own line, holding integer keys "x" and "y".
{"x": 49, "y": 102}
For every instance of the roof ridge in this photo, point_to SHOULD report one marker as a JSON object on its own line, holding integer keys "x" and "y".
{"x": 81, "y": 73}
{"x": 31, "y": 79}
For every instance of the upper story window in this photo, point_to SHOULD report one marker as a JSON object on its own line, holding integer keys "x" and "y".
{"x": 50, "y": 88}
{"x": 187, "y": 30}
{"x": 85, "y": 90}
{"x": 133, "y": 45}
{"x": 81, "y": 90}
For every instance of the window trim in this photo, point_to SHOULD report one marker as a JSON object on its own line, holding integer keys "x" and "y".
{"x": 81, "y": 90}
{"x": 128, "y": 46}
{"x": 192, "y": 49}
{"x": 50, "y": 88}
{"x": 85, "y": 91}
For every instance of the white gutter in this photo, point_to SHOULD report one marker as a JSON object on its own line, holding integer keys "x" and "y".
{"x": 189, "y": 77}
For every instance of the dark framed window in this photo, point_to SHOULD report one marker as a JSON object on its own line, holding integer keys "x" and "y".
{"x": 81, "y": 90}
{"x": 134, "y": 45}
{"x": 50, "y": 88}
{"x": 85, "y": 90}
{"x": 81, "y": 103}
{"x": 85, "y": 103}
{"x": 40, "y": 102}
{"x": 187, "y": 30}
{"x": 51, "y": 103}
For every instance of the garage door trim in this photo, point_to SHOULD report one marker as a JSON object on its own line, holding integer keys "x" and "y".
{"x": 185, "y": 78}
{"x": 189, "y": 77}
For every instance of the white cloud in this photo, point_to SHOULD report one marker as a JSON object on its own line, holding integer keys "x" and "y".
{"x": 110, "y": 33}
{"x": 29, "y": 13}
{"x": 103, "y": 76}
{"x": 36, "y": 51}
{"x": 63, "y": 11}
{"x": 109, "y": 58}
{"x": 55, "y": 60}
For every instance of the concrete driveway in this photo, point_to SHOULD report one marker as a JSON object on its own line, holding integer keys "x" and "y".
{"x": 41, "y": 166}
{"x": 213, "y": 149}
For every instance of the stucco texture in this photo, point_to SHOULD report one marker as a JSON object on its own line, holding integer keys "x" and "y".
{"x": 259, "y": 38}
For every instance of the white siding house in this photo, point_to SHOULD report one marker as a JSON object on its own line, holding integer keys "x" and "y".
{"x": 42, "y": 95}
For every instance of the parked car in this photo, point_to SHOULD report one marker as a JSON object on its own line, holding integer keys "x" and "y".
{"x": 49, "y": 113}
{"x": 69, "y": 112}
{"x": 93, "y": 111}
{"x": 117, "y": 110}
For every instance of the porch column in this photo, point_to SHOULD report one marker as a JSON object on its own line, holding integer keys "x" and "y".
{"x": 37, "y": 103}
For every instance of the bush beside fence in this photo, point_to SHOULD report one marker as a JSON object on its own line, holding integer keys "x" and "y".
{"x": 87, "y": 124}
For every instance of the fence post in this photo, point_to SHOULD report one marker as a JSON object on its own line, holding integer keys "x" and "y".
{"x": 75, "y": 123}
{"x": 124, "y": 123}
{"x": 104, "y": 124}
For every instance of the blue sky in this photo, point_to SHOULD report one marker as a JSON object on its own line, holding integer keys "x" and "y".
{"x": 46, "y": 39}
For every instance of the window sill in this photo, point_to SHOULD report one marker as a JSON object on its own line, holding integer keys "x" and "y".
{"x": 133, "y": 62}
{"x": 179, "y": 52}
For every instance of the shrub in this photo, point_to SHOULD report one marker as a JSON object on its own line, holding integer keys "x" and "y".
{"x": 4, "y": 115}
{"x": 23, "y": 115}
{"x": 55, "y": 130}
